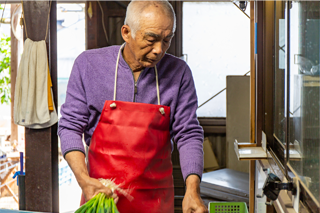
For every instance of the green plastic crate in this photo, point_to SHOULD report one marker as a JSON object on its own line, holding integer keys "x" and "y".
{"x": 228, "y": 207}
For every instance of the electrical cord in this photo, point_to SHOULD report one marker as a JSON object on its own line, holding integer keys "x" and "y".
{"x": 103, "y": 25}
{"x": 245, "y": 7}
{"x": 241, "y": 10}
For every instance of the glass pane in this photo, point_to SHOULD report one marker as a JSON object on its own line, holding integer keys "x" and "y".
{"x": 279, "y": 81}
{"x": 70, "y": 22}
{"x": 304, "y": 92}
{"x": 216, "y": 40}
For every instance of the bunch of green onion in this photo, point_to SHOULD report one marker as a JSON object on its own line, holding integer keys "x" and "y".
{"x": 99, "y": 204}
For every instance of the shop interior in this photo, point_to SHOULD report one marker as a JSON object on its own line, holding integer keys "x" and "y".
{"x": 256, "y": 70}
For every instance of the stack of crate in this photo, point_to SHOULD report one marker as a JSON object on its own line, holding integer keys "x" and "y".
{"x": 179, "y": 186}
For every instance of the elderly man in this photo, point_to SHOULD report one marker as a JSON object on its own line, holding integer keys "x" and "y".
{"x": 129, "y": 101}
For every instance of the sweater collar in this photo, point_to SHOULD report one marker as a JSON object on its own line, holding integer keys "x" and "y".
{"x": 122, "y": 62}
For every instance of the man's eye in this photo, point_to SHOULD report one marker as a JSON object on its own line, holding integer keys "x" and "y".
{"x": 151, "y": 41}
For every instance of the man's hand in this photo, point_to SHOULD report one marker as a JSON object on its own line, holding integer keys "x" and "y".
{"x": 192, "y": 202}
{"x": 90, "y": 186}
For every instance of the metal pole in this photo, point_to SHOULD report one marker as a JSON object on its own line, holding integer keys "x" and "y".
{"x": 22, "y": 192}
{"x": 287, "y": 137}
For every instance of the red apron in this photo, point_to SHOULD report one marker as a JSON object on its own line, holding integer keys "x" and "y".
{"x": 131, "y": 144}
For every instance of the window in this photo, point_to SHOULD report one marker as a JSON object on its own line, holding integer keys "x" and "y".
{"x": 216, "y": 42}
{"x": 304, "y": 92}
{"x": 70, "y": 22}
{"x": 297, "y": 54}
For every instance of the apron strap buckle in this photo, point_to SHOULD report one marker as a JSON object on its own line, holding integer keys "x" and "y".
{"x": 113, "y": 105}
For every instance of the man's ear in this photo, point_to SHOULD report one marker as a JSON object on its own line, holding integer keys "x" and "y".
{"x": 126, "y": 33}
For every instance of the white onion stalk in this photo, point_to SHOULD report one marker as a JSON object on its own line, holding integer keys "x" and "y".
{"x": 116, "y": 187}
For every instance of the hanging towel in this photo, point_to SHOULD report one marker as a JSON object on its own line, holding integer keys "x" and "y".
{"x": 33, "y": 92}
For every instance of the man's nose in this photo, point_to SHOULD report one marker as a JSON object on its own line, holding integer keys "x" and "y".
{"x": 157, "y": 48}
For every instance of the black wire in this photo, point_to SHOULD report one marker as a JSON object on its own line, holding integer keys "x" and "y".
{"x": 218, "y": 93}
{"x": 246, "y": 6}
{"x": 3, "y": 10}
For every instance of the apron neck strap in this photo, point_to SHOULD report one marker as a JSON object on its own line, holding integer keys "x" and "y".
{"x": 157, "y": 82}
{"x": 116, "y": 74}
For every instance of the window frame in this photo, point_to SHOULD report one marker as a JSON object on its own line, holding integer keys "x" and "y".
{"x": 275, "y": 147}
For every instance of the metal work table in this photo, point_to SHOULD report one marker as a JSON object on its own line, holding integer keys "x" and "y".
{"x": 226, "y": 184}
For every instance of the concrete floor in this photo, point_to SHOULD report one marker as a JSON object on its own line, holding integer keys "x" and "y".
{"x": 8, "y": 203}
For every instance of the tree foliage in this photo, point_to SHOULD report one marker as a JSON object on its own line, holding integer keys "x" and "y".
{"x": 5, "y": 80}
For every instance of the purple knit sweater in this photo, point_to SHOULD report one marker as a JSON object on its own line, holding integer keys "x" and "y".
{"x": 92, "y": 82}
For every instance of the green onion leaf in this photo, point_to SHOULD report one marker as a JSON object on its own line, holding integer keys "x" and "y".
{"x": 81, "y": 208}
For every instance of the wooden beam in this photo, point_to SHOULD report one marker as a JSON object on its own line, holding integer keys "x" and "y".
{"x": 252, "y": 105}
{"x": 41, "y": 178}
{"x": 122, "y": 3}
{"x": 268, "y": 70}
{"x": 4, "y": 190}
{"x": 53, "y": 64}
{"x": 9, "y": 171}
{"x": 214, "y": 129}
{"x": 176, "y": 42}
{"x": 259, "y": 119}
{"x": 12, "y": 193}
{"x": 9, "y": 182}
{"x": 91, "y": 25}
{"x": 14, "y": 69}
{"x": 252, "y": 171}
{"x": 252, "y": 74}
{"x": 9, "y": 174}
{"x": 117, "y": 13}
{"x": 179, "y": 27}
{"x": 212, "y": 121}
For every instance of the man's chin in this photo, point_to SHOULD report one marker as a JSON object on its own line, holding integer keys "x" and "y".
{"x": 150, "y": 64}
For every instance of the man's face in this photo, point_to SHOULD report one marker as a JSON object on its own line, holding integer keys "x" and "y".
{"x": 153, "y": 38}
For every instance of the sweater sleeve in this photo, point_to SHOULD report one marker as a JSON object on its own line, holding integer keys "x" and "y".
{"x": 188, "y": 134}
{"x": 74, "y": 112}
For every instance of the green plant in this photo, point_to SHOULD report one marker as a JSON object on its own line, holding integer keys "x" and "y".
{"x": 5, "y": 69}
{"x": 99, "y": 204}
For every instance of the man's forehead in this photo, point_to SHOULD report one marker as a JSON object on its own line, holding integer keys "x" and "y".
{"x": 152, "y": 34}
{"x": 154, "y": 15}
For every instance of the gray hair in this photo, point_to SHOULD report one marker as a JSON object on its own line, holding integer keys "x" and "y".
{"x": 135, "y": 9}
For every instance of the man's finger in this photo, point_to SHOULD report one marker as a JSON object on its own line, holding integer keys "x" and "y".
{"x": 108, "y": 192}
{"x": 105, "y": 191}
{"x": 116, "y": 200}
{"x": 189, "y": 210}
{"x": 201, "y": 210}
